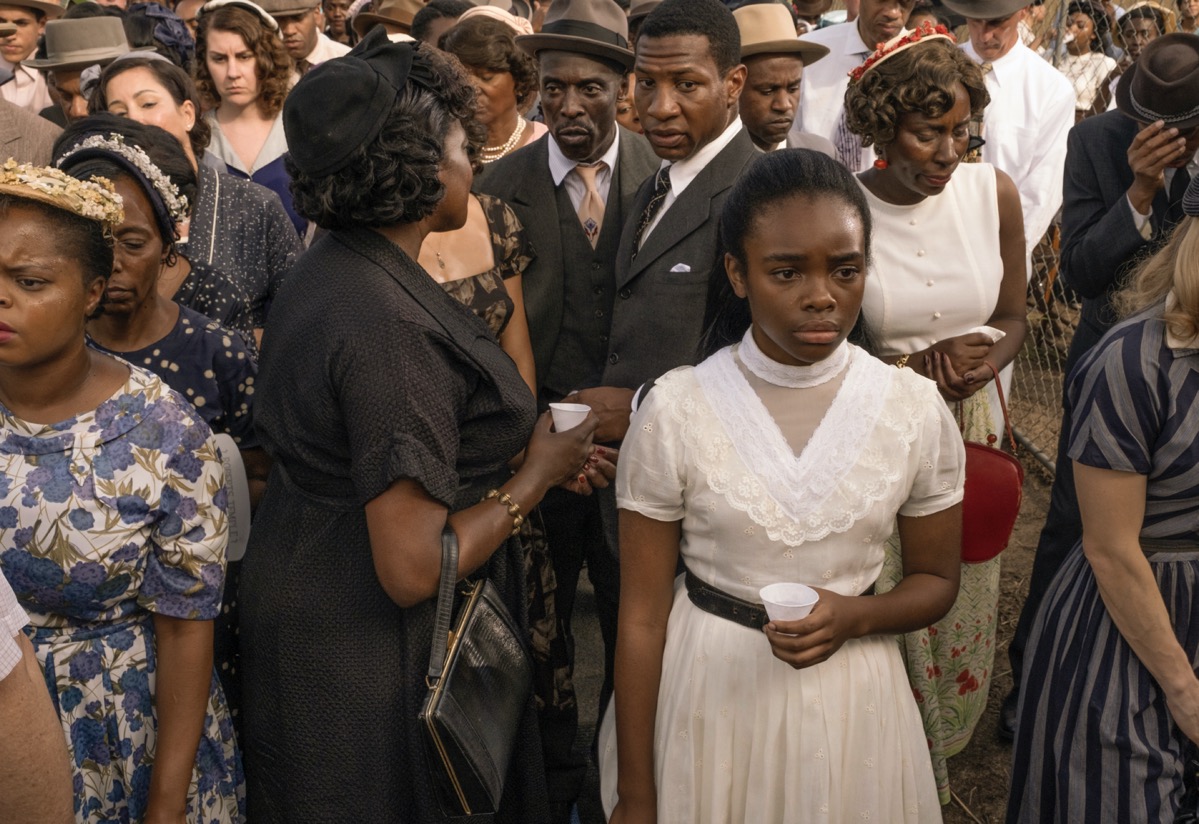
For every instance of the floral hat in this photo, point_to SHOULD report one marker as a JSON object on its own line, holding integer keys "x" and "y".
{"x": 94, "y": 199}
{"x": 902, "y": 42}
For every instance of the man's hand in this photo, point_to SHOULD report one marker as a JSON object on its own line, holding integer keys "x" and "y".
{"x": 612, "y": 405}
{"x": 1153, "y": 149}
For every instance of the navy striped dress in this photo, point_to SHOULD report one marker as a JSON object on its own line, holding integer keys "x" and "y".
{"x": 1095, "y": 741}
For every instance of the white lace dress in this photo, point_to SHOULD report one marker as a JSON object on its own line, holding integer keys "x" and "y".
{"x": 741, "y": 736}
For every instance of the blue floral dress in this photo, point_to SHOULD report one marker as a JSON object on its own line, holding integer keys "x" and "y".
{"x": 106, "y": 519}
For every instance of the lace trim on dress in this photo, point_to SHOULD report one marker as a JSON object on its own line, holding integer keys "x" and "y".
{"x": 793, "y": 377}
{"x": 806, "y": 497}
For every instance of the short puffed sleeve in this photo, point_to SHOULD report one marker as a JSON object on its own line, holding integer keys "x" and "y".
{"x": 185, "y": 571}
{"x": 940, "y": 460}
{"x": 649, "y": 476}
{"x": 1113, "y": 400}
{"x": 12, "y": 619}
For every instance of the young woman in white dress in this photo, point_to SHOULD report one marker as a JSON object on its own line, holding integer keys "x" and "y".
{"x": 785, "y": 456}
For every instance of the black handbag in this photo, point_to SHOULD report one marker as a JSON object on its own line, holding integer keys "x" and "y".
{"x": 480, "y": 680}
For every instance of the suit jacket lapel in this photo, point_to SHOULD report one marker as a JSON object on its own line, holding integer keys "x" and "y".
{"x": 9, "y": 132}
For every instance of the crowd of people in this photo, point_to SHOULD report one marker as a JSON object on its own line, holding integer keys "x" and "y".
{"x": 288, "y": 292}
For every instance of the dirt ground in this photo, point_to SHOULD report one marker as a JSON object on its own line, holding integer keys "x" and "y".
{"x": 979, "y": 776}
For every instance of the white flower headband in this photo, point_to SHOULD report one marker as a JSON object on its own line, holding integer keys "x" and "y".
{"x": 176, "y": 204}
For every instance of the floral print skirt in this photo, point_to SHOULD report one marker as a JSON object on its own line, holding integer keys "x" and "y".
{"x": 950, "y": 664}
{"x": 101, "y": 677}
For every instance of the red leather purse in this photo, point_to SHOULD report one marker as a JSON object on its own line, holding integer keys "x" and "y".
{"x": 994, "y": 489}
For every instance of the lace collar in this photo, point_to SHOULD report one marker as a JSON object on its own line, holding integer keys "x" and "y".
{"x": 791, "y": 377}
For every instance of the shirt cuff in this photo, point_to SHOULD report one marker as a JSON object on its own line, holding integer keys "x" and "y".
{"x": 1139, "y": 220}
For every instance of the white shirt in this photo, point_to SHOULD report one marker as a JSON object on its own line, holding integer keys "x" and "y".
{"x": 822, "y": 90}
{"x": 12, "y": 619}
{"x": 684, "y": 171}
{"x": 326, "y": 48}
{"x": 561, "y": 167}
{"x": 1025, "y": 126}
{"x": 27, "y": 88}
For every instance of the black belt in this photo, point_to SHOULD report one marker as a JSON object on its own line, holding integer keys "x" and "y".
{"x": 721, "y": 604}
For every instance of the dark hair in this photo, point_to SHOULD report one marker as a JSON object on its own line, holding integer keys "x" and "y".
{"x": 706, "y": 18}
{"x": 1146, "y": 13}
{"x": 434, "y": 11}
{"x": 154, "y": 25}
{"x": 393, "y": 179}
{"x": 1098, "y": 20}
{"x": 159, "y": 145}
{"x": 77, "y": 237}
{"x": 777, "y": 176}
{"x": 486, "y": 43}
{"x": 81, "y": 11}
{"x": 273, "y": 62}
{"x": 919, "y": 79}
{"x": 175, "y": 80}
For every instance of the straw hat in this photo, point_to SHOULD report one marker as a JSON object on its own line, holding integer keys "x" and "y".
{"x": 396, "y": 12}
{"x": 83, "y": 42}
{"x": 594, "y": 27}
{"x": 50, "y": 9}
{"x": 766, "y": 28}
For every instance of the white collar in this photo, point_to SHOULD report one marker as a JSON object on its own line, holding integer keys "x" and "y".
{"x": 684, "y": 171}
{"x": 854, "y": 44}
{"x": 561, "y": 165}
{"x": 1002, "y": 66}
{"x": 791, "y": 377}
{"x": 1173, "y": 341}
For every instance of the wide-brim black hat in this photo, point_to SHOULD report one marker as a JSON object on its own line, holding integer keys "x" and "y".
{"x": 1163, "y": 84}
{"x": 598, "y": 28}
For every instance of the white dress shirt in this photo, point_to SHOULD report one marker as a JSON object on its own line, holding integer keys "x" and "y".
{"x": 27, "y": 88}
{"x": 822, "y": 90}
{"x": 1025, "y": 126}
{"x": 326, "y": 48}
{"x": 561, "y": 167}
{"x": 12, "y": 619}
{"x": 684, "y": 171}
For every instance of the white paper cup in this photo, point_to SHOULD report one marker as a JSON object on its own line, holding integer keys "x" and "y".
{"x": 788, "y": 602}
{"x": 568, "y": 415}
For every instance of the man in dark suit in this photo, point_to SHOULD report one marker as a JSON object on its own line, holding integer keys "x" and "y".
{"x": 689, "y": 81}
{"x": 1123, "y": 190}
{"x": 573, "y": 190}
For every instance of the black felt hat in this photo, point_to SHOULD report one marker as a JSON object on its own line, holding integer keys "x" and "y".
{"x": 1164, "y": 83}
{"x": 343, "y": 103}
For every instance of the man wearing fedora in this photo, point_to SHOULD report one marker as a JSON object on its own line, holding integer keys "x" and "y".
{"x": 71, "y": 47}
{"x": 822, "y": 98}
{"x": 23, "y": 22}
{"x": 1030, "y": 113}
{"x": 774, "y": 66}
{"x": 1126, "y": 172}
{"x": 573, "y": 189}
{"x": 300, "y": 23}
{"x": 393, "y": 15}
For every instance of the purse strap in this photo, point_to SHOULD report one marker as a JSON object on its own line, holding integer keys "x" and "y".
{"x": 1007, "y": 421}
{"x": 445, "y": 603}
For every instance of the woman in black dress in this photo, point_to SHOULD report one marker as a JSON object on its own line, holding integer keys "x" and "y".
{"x": 390, "y": 410}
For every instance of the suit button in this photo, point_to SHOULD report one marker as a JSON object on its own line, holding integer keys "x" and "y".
{"x": 614, "y": 358}
{"x": 603, "y": 338}
{"x": 599, "y": 290}
{"x": 599, "y": 313}
{"x": 595, "y": 266}
{"x": 625, "y": 293}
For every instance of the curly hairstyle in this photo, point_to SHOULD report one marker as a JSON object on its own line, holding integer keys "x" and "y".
{"x": 274, "y": 65}
{"x": 86, "y": 241}
{"x": 394, "y": 178}
{"x": 922, "y": 78}
{"x": 1173, "y": 267}
{"x": 177, "y": 83}
{"x": 489, "y": 45}
{"x": 1099, "y": 21}
{"x": 772, "y": 178}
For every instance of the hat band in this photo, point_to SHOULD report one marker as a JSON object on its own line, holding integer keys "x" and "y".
{"x": 1150, "y": 116}
{"x": 588, "y": 31}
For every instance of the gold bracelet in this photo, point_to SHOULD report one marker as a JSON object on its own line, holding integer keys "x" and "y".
{"x": 902, "y": 362}
{"x": 513, "y": 509}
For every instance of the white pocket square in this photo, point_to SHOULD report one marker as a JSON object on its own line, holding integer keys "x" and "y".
{"x": 680, "y": 267}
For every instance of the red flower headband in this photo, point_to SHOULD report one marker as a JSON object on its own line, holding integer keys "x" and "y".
{"x": 925, "y": 31}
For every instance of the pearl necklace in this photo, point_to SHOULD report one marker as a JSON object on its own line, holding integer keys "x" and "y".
{"x": 792, "y": 377}
{"x": 492, "y": 153}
